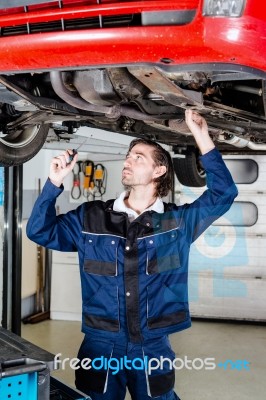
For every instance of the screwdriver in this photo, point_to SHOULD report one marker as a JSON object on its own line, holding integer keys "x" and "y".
{"x": 75, "y": 151}
{"x": 71, "y": 156}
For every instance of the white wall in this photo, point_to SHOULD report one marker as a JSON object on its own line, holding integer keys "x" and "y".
{"x": 37, "y": 168}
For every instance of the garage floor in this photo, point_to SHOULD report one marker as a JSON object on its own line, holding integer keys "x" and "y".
{"x": 218, "y": 340}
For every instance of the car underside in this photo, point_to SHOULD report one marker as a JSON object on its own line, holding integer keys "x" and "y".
{"x": 142, "y": 101}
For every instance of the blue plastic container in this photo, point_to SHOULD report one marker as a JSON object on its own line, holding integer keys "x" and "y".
{"x": 19, "y": 387}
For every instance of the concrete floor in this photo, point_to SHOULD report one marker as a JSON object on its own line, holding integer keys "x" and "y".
{"x": 217, "y": 340}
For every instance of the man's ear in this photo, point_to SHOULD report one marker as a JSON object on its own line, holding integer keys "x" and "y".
{"x": 159, "y": 171}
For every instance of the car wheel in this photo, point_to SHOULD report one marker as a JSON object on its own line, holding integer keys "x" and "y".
{"x": 189, "y": 170}
{"x": 20, "y": 146}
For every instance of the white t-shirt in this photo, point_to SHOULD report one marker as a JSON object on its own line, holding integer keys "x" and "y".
{"x": 119, "y": 205}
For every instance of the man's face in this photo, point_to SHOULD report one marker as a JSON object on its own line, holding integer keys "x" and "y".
{"x": 139, "y": 167}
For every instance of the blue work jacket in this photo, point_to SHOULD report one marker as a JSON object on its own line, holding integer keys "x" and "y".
{"x": 133, "y": 275}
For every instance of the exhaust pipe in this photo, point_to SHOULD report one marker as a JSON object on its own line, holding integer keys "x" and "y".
{"x": 242, "y": 142}
{"x": 110, "y": 112}
{"x": 72, "y": 99}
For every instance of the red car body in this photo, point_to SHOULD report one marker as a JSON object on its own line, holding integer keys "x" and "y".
{"x": 238, "y": 41}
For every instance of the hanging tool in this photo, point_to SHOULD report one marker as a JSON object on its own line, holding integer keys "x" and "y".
{"x": 100, "y": 176}
{"x": 88, "y": 171}
{"x": 76, "y": 190}
{"x": 91, "y": 191}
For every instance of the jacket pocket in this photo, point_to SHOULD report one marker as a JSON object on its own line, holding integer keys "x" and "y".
{"x": 164, "y": 306}
{"x": 101, "y": 311}
{"x": 101, "y": 255}
{"x": 162, "y": 253}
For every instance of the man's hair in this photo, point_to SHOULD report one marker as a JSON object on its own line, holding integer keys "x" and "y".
{"x": 160, "y": 156}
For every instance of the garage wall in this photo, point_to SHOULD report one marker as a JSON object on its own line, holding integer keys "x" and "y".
{"x": 227, "y": 269}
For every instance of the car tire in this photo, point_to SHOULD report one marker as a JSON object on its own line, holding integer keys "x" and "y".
{"x": 189, "y": 170}
{"x": 20, "y": 146}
